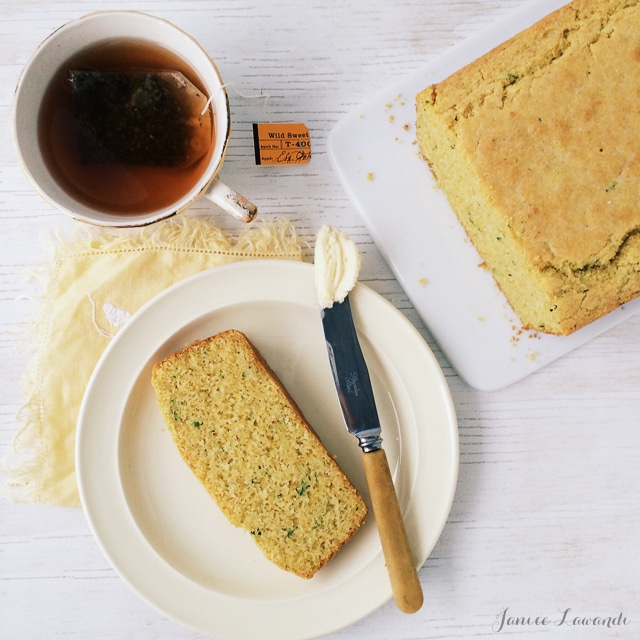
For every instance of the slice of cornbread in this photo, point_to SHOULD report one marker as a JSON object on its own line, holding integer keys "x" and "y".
{"x": 247, "y": 442}
{"x": 535, "y": 145}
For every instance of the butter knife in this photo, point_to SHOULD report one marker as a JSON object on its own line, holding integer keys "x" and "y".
{"x": 357, "y": 401}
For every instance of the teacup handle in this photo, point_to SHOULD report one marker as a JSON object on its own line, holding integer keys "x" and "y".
{"x": 231, "y": 202}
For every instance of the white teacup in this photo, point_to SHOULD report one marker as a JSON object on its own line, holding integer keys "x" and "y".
{"x": 87, "y": 31}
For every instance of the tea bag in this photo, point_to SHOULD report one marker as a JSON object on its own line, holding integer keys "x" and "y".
{"x": 153, "y": 118}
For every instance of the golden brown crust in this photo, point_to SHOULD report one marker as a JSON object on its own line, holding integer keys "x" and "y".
{"x": 535, "y": 146}
{"x": 246, "y": 440}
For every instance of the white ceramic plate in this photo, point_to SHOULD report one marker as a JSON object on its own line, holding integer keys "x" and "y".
{"x": 156, "y": 523}
{"x": 375, "y": 154}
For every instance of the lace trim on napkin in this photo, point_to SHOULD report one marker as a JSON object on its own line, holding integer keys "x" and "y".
{"x": 40, "y": 468}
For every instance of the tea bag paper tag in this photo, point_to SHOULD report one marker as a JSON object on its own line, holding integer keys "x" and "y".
{"x": 281, "y": 143}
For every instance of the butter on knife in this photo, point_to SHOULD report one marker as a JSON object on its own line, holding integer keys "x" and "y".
{"x": 336, "y": 266}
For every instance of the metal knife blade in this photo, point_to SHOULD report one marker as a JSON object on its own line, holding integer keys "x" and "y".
{"x": 351, "y": 376}
{"x": 355, "y": 393}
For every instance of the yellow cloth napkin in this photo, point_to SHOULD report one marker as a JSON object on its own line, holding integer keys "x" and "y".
{"x": 95, "y": 284}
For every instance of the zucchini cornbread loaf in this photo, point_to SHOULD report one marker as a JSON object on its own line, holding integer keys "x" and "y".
{"x": 247, "y": 442}
{"x": 536, "y": 147}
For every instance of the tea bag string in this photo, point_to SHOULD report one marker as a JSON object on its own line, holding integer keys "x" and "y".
{"x": 232, "y": 85}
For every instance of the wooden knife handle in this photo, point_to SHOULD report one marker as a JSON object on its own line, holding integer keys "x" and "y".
{"x": 405, "y": 584}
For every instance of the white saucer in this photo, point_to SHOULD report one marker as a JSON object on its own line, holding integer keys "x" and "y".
{"x": 156, "y": 523}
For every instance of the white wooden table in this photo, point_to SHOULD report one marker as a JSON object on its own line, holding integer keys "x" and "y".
{"x": 545, "y": 517}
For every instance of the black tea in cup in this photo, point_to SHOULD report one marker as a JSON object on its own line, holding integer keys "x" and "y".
{"x": 125, "y": 127}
